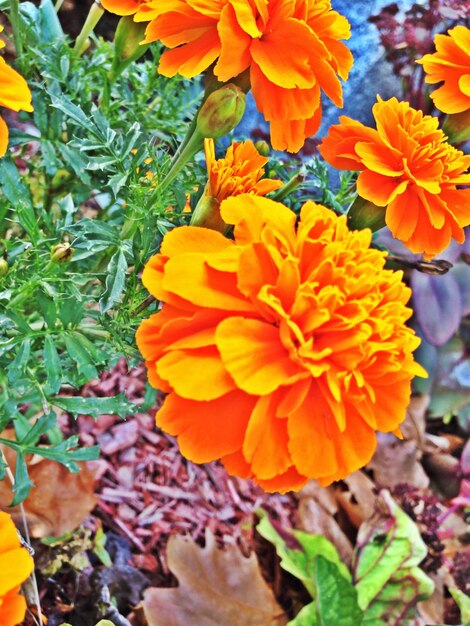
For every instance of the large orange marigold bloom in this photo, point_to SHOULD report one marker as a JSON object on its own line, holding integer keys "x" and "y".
{"x": 407, "y": 166}
{"x": 283, "y": 351}
{"x": 14, "y": 95}
{"x": 450, "y": 65}
{"x": 15, "y": 566}
{"x": 292, "y": 49}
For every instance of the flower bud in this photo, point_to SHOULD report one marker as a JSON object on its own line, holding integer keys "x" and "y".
{"x": 365, "y": 214}
{"x": 262, "y": 147}
{"x": 221, "y": 112}
{"x": 457, "y": 127}
{"x": 128, "y": 37}
{"x": 3, "y": 266}
{"x": 61, "y": 253}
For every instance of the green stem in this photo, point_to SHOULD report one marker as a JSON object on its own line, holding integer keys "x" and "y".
{"x": 289, "y": 187}
{"x": 58, "y": 5}
{"x": 16, "y": 26}
{"x": 94, "y": 16}
{"x": 192, "y": 144}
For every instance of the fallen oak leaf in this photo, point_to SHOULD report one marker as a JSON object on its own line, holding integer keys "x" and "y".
{"x": 60, "y": 500}
{"x": 215, "y": 587}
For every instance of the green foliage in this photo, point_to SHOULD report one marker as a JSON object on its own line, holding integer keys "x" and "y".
{"x": 386, "y": 582}
{"x": 83, "y": 176}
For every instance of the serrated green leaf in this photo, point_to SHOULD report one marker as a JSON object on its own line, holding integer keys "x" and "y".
{"x": 17, "y": 367}
{"x": 300, "y": 560}
{"x": 47, "y": 308}
{"x": 80, "y": 355}
{"x": 52, "y": 366}
{"x": 115, "y": 281}
{"x": 39, "y": 428}
{"x": 115, "y": 405}
{"x": 23, "y": 484}
{"x": 71, "y": 110}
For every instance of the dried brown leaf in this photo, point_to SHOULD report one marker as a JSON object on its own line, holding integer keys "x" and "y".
{"x": 60, "y": 500}
{"x": 215, "y": 587}
{"x": 360, "y": 499}
{"x": 315, "y": 514}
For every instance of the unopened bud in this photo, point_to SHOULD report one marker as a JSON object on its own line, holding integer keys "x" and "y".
{"x": 365, "y": 214}
{"x": 221, "y": 112}
{"x": 61, "y": 253}
{"x": 128, "y": 38}
{"x": 457, "y": 127}
{"x": 262, "y": 147}
{"x": 3, "y": 267}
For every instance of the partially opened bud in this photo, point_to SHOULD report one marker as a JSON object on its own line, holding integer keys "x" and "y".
{"x": 61, "y": 253}
{"x": 221, "y": 112}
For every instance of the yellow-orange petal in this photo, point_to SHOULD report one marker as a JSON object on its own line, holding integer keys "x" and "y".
{"x": 254, "y": 356}
{"x": 3, "y": 137}
{"x": 196, "y": 374}
{"x": 14, "y": 90}
{"x": 122, "y": 7}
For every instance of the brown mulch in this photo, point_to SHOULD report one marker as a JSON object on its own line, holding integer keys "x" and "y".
{"x": 148, "y": 491}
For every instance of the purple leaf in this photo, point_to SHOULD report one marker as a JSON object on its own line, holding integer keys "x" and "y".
{"x": 461, "y": 273}
{"x": 438, "y": 306}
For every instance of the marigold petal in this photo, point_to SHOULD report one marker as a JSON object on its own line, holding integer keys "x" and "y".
{"x": 190, "y": 59}
{"x": 265, "y": 444}
{"x": 207, "y": 431}
{"x": 290, "y": 480}
{"x": 380, "y": 158}
{"x": 3, "y": 137}
{"x": 190, "y": 276}
{"x": 254, "y": 356}
{"x": 402, "y": 214}
{"x": 196, "y": 374}
{"x": 287, "y": 70}
{"x": 12, "y": 608}
{"x": 121, "y": 7}
{"x": 379, "y": 189}
{"x": 193, "y": 239}
{"x": 339, "y": 146}
{"x": 233, "y": 60}
{"x": 250, "y": 214}
{"x": 16, "y": 565}
{"x": 14, "y": 92}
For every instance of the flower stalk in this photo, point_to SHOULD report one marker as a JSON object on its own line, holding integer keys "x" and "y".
{"x": 95, "y": 14}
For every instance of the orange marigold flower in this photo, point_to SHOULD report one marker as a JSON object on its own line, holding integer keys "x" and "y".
{"x": 283, "y": 351}
{"x": 240, "y": 171}
{"x": 450, "y": 64}
{"x": 408, "y": 167}
{"x": 292, "y": 49}
{"x": 15, "y": 566}
{"x": 14, "y": 95}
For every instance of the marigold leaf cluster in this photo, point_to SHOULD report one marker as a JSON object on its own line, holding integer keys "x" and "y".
{"x": 283, "y": 351}
{"x": 16, "y": 565}
{"x": 407, "y": 166}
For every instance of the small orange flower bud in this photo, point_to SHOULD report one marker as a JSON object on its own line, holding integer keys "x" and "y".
{"x": 221, "y": 112}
